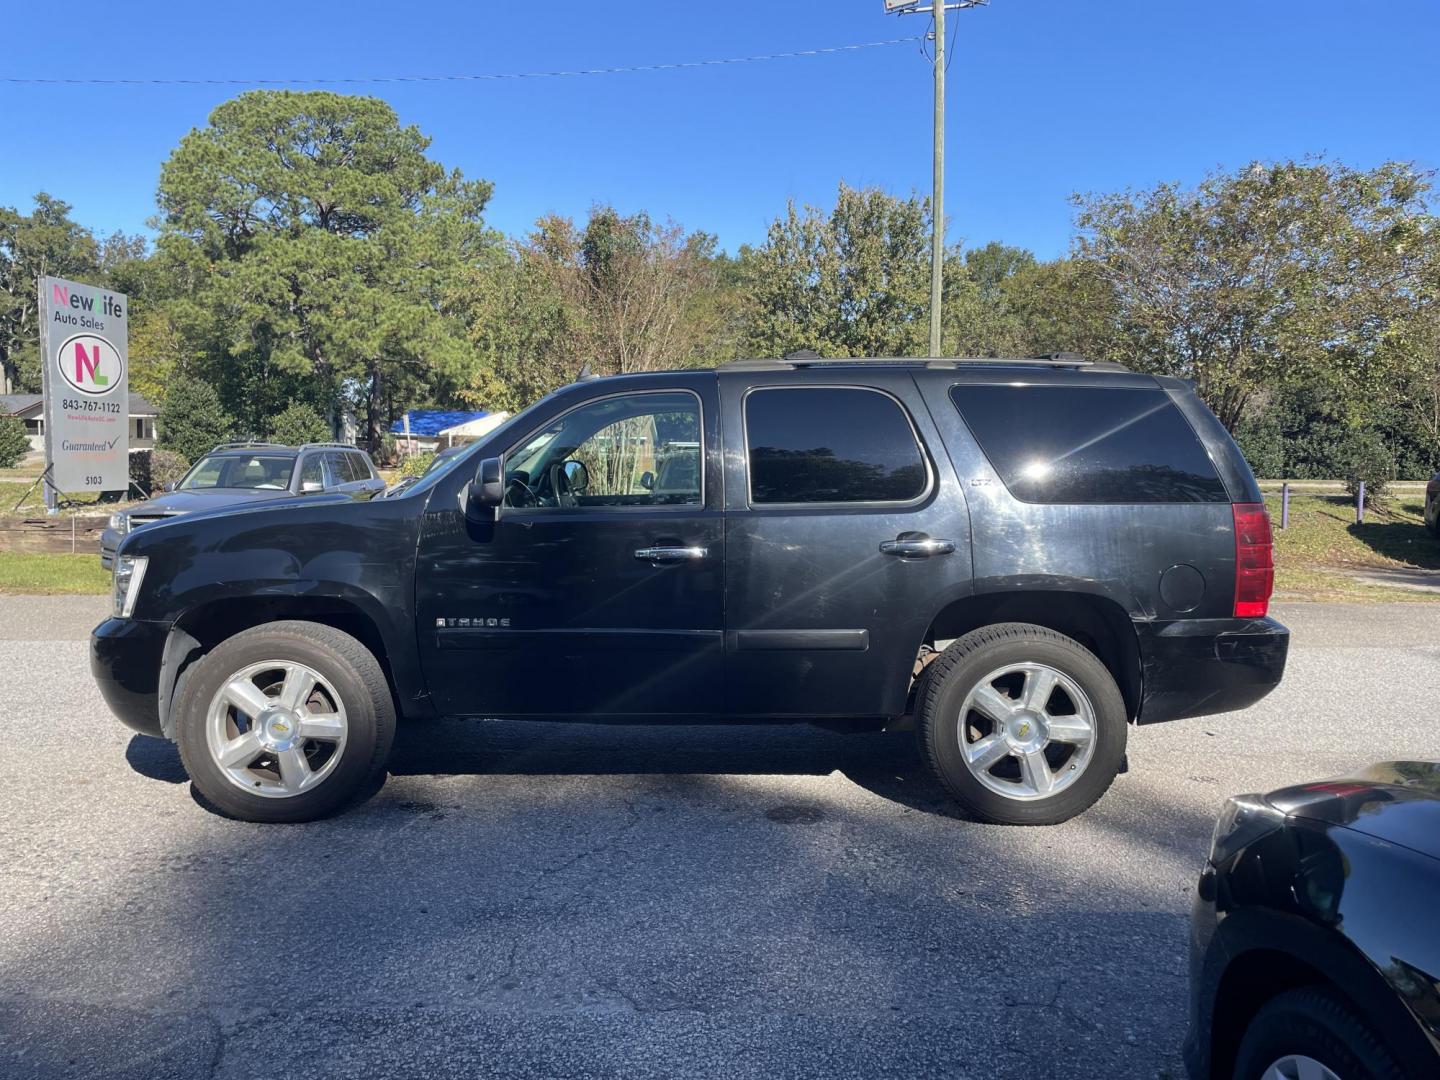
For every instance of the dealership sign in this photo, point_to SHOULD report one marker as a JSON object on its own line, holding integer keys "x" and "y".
{"x": 84, "y": 354}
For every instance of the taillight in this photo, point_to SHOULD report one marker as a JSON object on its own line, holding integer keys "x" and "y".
{"x": 1254, "y": 560}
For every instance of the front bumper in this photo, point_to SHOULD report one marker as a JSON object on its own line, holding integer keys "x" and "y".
{"x": 1195, "y": 667}
{"x": 125, "y": 657}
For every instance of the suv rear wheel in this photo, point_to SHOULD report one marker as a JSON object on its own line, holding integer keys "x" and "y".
{"x": 284, "y": 722}
{"x": 1023, "y": 725}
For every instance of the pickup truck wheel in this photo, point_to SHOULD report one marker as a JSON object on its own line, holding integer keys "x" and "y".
{"x": 1023, "y": 726}
{"x": 285, "y": 722}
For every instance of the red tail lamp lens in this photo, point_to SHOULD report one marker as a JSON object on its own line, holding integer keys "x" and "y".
{"x": 1254, "y": 561}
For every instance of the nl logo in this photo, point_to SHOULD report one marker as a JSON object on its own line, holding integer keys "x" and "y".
{"x": 90, "y": 364}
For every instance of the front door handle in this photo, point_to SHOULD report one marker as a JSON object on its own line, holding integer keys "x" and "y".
{"x": 918, "y": 547}
{"x": 670, "y": 554}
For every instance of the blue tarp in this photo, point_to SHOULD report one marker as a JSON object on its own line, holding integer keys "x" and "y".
{"x": 429, "y": 422}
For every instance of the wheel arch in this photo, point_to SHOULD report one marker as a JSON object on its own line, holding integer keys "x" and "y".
{"x": 1251, "y": 980}
{"x": 200, "y": 628}
{"x": 1098, "y": 623}
{"x": 1268, "y": 953}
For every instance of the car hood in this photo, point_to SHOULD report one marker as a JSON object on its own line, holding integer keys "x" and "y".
{"x": 1396, "y": 801}
{"x": 185, "y": 502}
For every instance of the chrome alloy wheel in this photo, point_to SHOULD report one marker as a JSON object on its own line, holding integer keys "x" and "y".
{"x": 1027, "y": 731}
{"x": 276, "y": 728}
{"x": 1298, "y": 1067}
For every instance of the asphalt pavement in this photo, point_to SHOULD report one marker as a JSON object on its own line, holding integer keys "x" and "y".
{"x": 570, "y": 900}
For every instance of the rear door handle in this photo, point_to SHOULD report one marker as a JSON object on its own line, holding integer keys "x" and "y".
{"x": 918, "y": 547}
{"x": 670, "y": 554}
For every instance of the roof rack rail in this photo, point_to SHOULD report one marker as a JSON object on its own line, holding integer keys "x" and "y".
{"x": 328, "y": 445}
{"x": 247, "y": 444}
{"x": 1062, "y": 358}
{"x": 806, "y": 358}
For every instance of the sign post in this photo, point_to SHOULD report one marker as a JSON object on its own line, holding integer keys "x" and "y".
{"x": 84, "y": 354}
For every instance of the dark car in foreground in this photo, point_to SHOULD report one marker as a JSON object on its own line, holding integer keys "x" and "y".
{"x": 1315, "y": 952}
{"x": 1015, "y": 558}
{"x": 1432, "y": 504}
{"x": 240, "y": 474}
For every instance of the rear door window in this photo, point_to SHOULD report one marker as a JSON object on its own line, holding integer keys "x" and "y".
{"x": 830, "y": 444}
{"x": 1068, "y": 444}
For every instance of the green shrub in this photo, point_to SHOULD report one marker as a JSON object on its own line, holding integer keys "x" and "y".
{"x": 192, "y": 421}
{"x": 299, "y": 424}
{"x": 416, "y": 464}
{"x": 14, "y": 444}
{"x": 167, "y": 467}
{"x": 1365, "y": 456}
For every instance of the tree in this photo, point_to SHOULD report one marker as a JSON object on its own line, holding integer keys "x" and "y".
{"x": 320, "y": 240}
{"x": 1291, "y": 272}
{"x": 622, "y": 294}
{"x": 853, "y": 282}
{"x": 14, "y": 443}
{"x": 192, "y": 421}
{"x": 299, "y": 423}
{"x": 45, "y": 241}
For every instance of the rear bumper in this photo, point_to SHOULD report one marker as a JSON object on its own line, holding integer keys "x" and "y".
{"x": 125, "y": 656}
{"x": 1195, "y": 667}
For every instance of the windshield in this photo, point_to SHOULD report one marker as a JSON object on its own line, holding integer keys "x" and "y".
{"x": 259, "y": 472}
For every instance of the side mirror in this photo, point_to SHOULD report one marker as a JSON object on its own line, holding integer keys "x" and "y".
{"x": 488, "y": 487}
{"x": 647, "y": 480}
{"x": 311, "y": 487}
{"x": 171, "y": 485}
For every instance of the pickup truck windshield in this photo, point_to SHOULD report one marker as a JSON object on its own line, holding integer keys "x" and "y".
{"x": 255, "y": 471}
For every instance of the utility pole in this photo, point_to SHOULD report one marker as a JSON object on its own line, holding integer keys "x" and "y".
{"x": 937, "y": 198}
{"x": 937, "y": 9}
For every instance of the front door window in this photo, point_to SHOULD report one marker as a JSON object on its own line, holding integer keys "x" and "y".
{"x": 635, "y": 450}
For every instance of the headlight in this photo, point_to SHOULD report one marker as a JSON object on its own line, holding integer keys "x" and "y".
{"x": 129, "y": 573}
{"x": 1244, "y": 820}
{"x": 120, "y": 522}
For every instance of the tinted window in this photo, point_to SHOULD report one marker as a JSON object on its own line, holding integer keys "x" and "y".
{"x": 310, "y": 472}
{"x": 360, "y": 467}
{"x": 1055, "y": 444}
{"x": 830, "y": 445}
{"x": 339, "y": 466}
{"x": 634, "y": 450}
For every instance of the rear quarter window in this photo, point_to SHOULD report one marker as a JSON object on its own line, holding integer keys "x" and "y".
{"x": 1068, "y": 444}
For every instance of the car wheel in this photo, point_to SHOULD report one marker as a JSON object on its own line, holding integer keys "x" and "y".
{"x": 1312, "y": 1034}
{"x": 288, "y": 721}
{"x": 1023, "y": 726}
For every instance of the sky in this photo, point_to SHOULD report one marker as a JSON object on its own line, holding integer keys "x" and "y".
{"x": 1046, "y": 98}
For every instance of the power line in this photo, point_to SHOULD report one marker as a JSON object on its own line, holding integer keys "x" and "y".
{"x": 481, "y": 77}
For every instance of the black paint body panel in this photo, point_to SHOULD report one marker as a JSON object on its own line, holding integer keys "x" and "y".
{"x": 1328, "y": 890}
{"x": 789, "y": 612}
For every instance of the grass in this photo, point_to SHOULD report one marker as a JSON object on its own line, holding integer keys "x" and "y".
{"x": 1323, "y": 542}
{"x": 47, "y": 574}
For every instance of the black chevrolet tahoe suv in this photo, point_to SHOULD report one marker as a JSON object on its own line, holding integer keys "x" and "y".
{"x": 1018, "y": 558}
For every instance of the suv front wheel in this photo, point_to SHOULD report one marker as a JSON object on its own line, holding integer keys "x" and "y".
{"x": 284, "y": 722}
{"x": 1023, "y": 725}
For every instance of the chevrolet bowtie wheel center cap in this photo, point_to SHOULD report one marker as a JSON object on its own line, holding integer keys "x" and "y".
{"x": 1026, "y": 730}
{"x": 278, "y": 729}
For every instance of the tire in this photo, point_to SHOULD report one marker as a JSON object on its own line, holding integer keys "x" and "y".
{"x": 1316, "y": 1023}
{"x": 1014, "y": 660}
{"x": 291, "y": 776}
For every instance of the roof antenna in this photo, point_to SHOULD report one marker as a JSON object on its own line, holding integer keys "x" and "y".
{"x": 585, "y": 372}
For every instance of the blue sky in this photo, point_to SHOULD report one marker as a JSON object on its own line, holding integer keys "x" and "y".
{"x": 1046, "y": 97}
